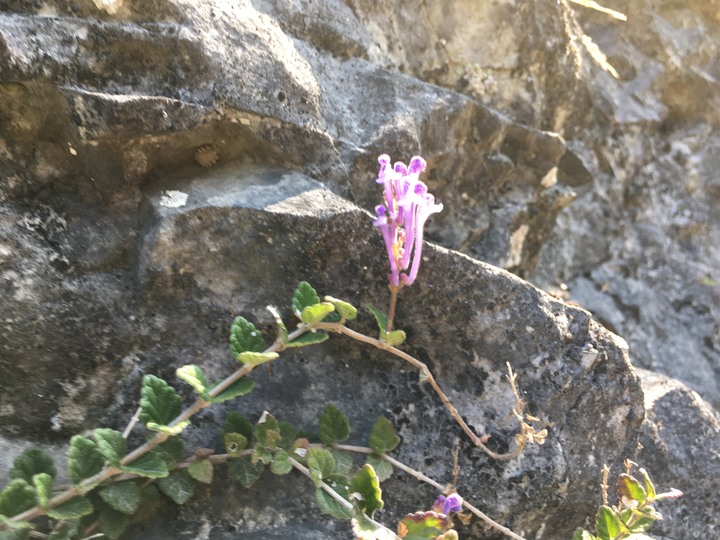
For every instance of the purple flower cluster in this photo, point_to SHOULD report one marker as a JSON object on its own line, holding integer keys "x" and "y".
{"x": 445, "y": 505}
{"x": 402, "y": 218}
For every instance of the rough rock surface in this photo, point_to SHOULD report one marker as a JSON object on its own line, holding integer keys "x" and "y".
{"x": 120, "y": 255}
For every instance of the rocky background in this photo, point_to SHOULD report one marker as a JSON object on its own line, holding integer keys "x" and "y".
{"x": 168, "y": 164}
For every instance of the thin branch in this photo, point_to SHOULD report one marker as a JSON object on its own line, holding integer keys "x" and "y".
{"x": 131, "y": 424}
{"x": 426, "y": 376}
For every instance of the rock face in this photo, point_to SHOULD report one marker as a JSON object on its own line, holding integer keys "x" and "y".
{"x": 121, "y": 255}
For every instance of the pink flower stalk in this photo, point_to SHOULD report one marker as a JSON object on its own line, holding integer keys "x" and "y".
{"x": 402, "y": 218}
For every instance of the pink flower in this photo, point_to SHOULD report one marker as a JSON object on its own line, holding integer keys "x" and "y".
{"x": 402, "y": 218}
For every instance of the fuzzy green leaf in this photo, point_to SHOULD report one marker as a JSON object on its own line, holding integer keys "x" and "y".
{"x": 394, "y": 338}
{"x": 170, "y": 430}
{"x": 316, "y": 313}
{"x": 303, "y": 297}
{"x": 201, "y": 470}
{"x": 244, "y": 337}
{"x": 150, "y": 466}
{"x": 194, "y": 376}
{"x": 246, "y": 472}
{"x": 160, "y": 403}
{"x": 236, "y": 422}
{"x": 16, "y": 530}
{"x": 256, "y": 358}
{"x": 65, "y": 530}
{"x": 84, "y": 459}
{"x": 334, "y": 425}
{"x": 309, "y": 338}
{"x": 111, "y": 444}
{"x": 235, "y": 443}
{"x": 380, "y": 317}
{"x": 43, "y": 483}
{"x": 649, "y": 486}
{"x": 607, "y": 523}
{"x": 281, "y": 464}
{"x": 239, "y": 388}
{"x": 343, "y": 461}
{"x": 267, "y": 431}
{"x": 123, "y": 496}
{"x": 629, "y": 489}
{"x": 582, "y": 534}
{"x": 346, "y": 311}
{"x": 365, "y": 489}
{"x": 76, "y": 507}
{"x": 321, "y": 464}
{"x": 422, "y": 526}
{"x": 383, "y": 469}
{"x": 31, "y": 462}
{"x": 171, "y": 451}
{"x": 330, "y": 506}
{"x": 113, "y": 523}
{"x": 261, "y": 455}
{"x": 383, "y": 437}
{"x": 179, "y": 486}
{"x": 17, "y": 497}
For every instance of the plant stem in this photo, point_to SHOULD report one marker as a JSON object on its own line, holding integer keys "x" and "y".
{"x": 420, "y": 476}
{"x": 394, "y": 289}
{"x": 427, "y": 376}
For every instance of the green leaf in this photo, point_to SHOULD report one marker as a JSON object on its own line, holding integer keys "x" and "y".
{"x": 170, "y": 451}
{"x": 171, "y": 430}
{"x": 642, "y": 525}
{"x": 380, "y": 317}
{"x": 31, "y": 462}
{"x": 321, "y": 464}
{"x": 244, "y": 337}
{"x": 288, "y": 434}
{"x": 582, "y": 534}
{"x": 346, "y": 311}
{"x": 201, "y": 470}
{"x": 309, "y": 338}
{"x": 150, "y": 466}
{"x": 76, "y": 507}
{"x": 316, "y": 313}
{"x": 160, "y": 403}
{"x": 607, "y": 523}
{"x": 383, "y": 469}
{"x": 281, "y": 464}
{"x": 383, "y": 437}
{"x": 649, "y": 486}
{"x": 629, "y": 489}
{"x": 365, "y": 489}
{"x": 267, "y": 431}
{"x": 246, "y": 472}
{"x": 16, "y": 530}
{"x": 179, "y": 486}
{"x": 235, "y": 443}
{"x": 65, "y": 530}
{"x": 238, "y": 388}
{"x": 261, "y": 455}
{"x": 111, "y": 444}
{"x": 394, "y": 338}
{"x": 334, "y": 425}
{"x": 43, "y": 483}
{"x": 194, "y": 376}
{"x": 328, "y": 505}
{"x": 17, "y": 497}
{"x": 123, "y": 496}
{"x": 84, "y": 459}
{"x": 422, "y": 526}
{"x": 256, "y": 358}
{"x": 343, "y": 460}
{"x": 236, "y": 422}
{"x": 113, "y": 523}
{"x": 303, "y": 297}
